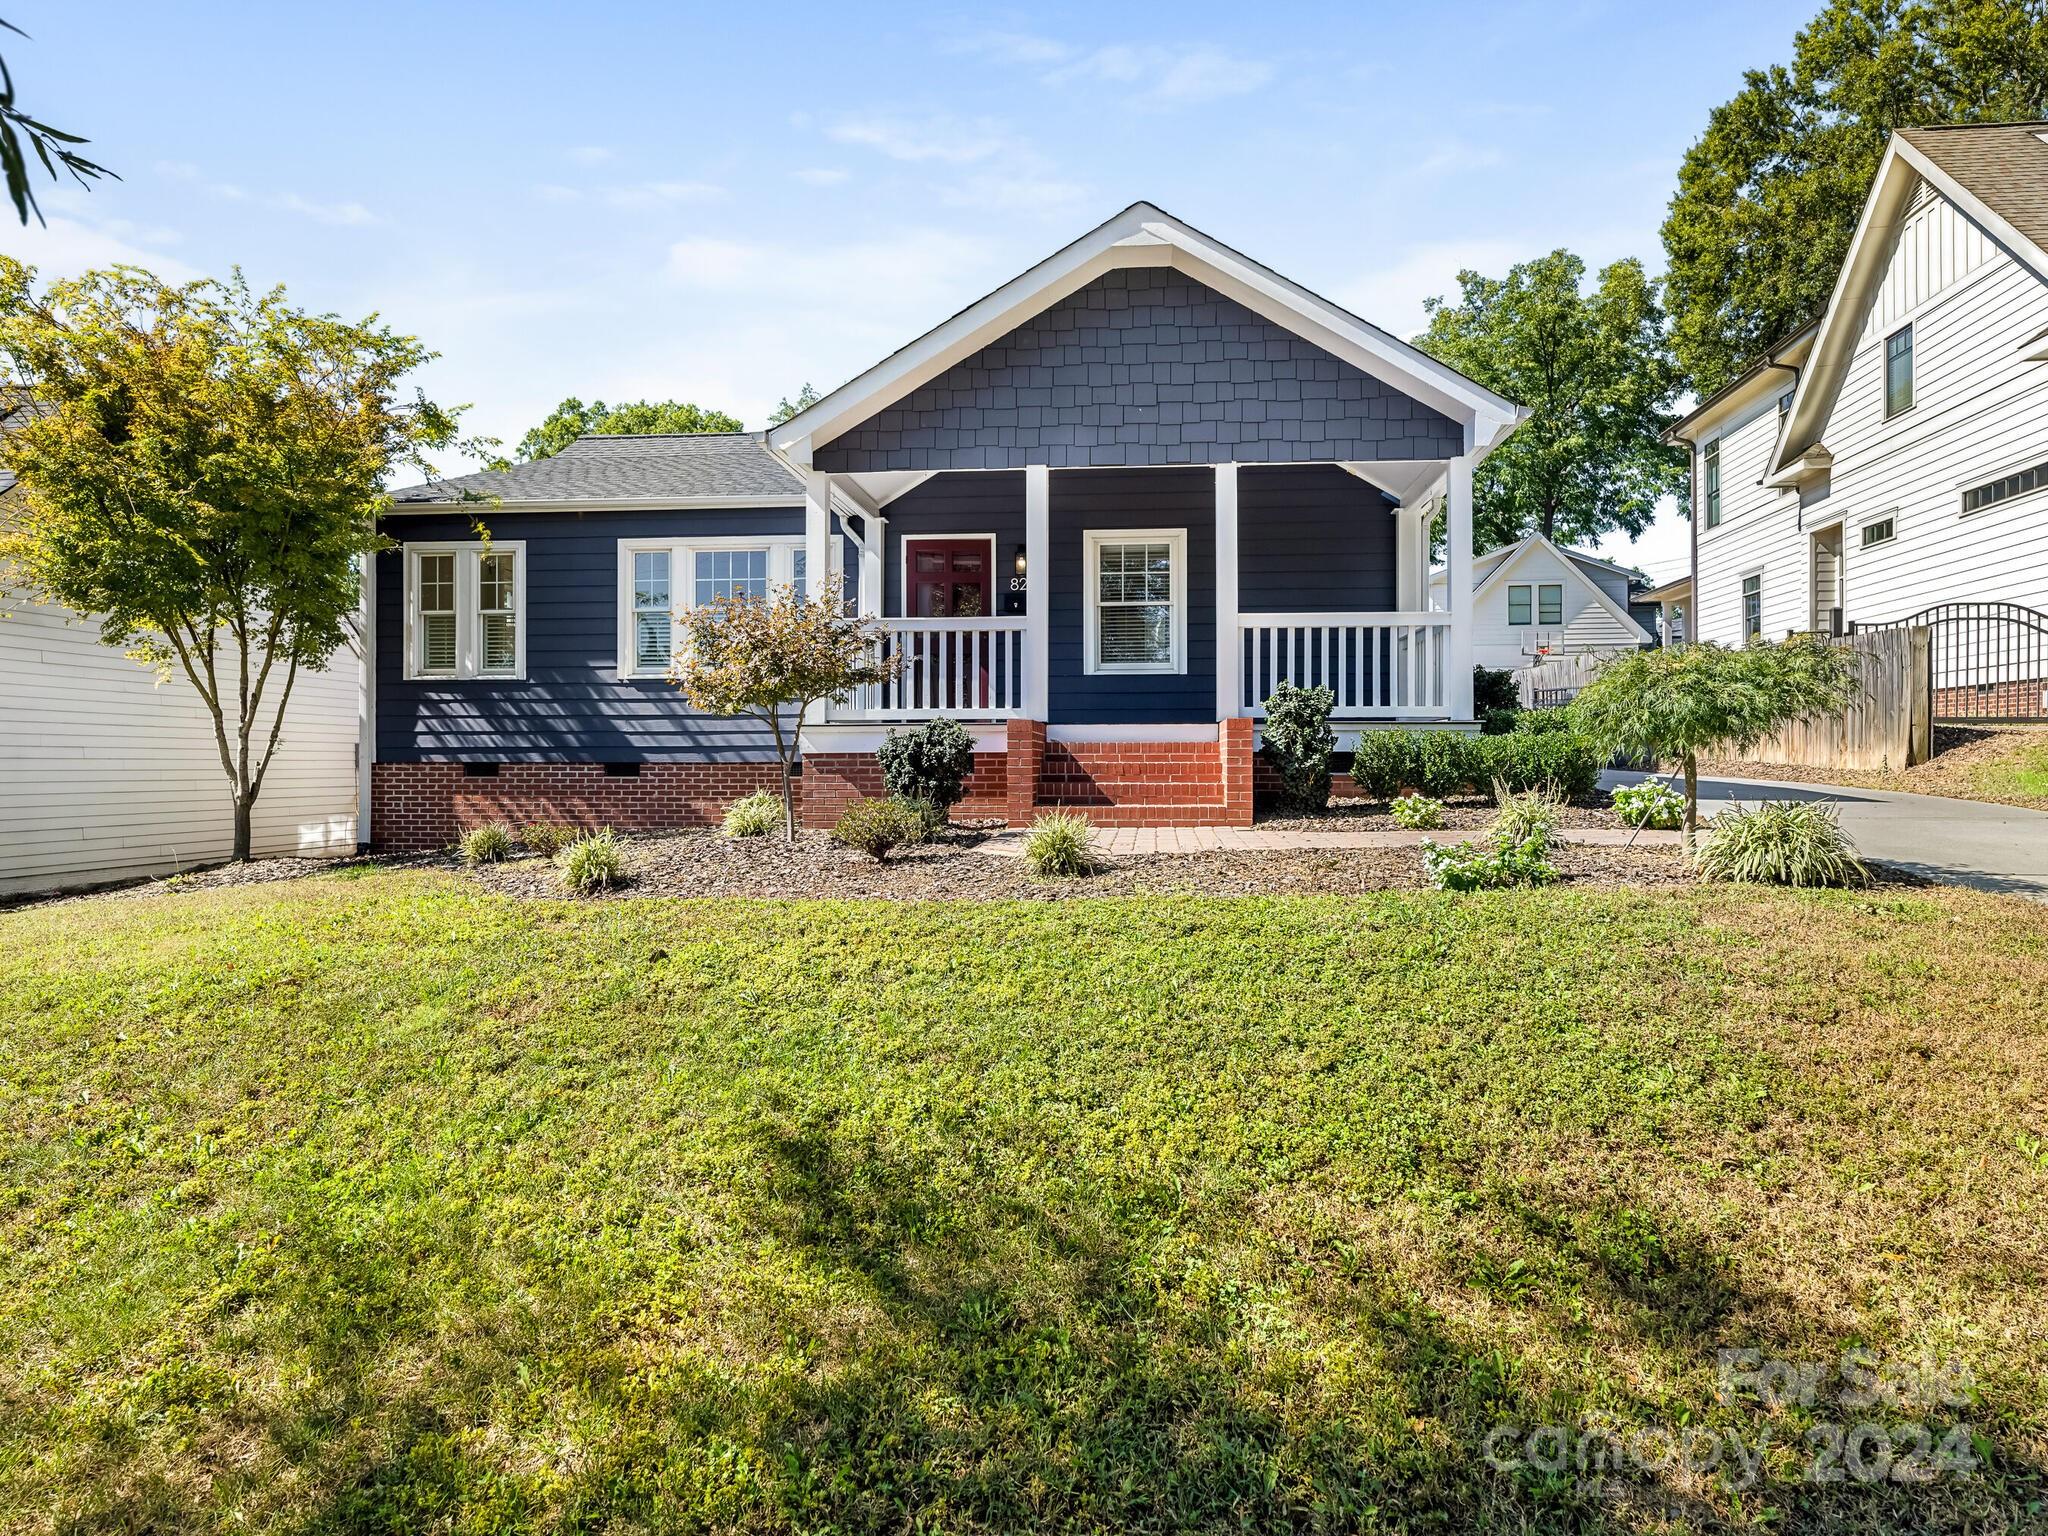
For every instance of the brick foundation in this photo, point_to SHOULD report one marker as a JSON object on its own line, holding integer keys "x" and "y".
{"x": 419, "y": 806}
{"x": 834, "y": 780}
{"x": 2020, "y": 698}
{"x": 1153, "y": 783}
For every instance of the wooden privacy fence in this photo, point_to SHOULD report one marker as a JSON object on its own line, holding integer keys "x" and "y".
{"x": 1890, "y": 724}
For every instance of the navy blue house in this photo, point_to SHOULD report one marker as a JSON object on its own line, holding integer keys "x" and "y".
{"x": 1099, "y": 515}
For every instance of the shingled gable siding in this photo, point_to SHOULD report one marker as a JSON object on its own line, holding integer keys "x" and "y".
{"x": 1312, "y": 538}
{"x": 1144, "y": 366}
{"x": 1131, "y": 498}
{"x": 572, "y": 706}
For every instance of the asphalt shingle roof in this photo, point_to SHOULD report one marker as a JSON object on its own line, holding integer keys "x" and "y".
{"x": 624, "y": 468}
{"x": 2004, "y": 164}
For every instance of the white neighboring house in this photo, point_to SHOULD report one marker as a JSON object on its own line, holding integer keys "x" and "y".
{"x": 1893, "y": 455}
{"x": 105, "y": 775}
{"x": 1536, "y": 600}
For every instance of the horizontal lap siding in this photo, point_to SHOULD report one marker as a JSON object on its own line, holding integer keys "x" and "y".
{"x": 1312, "y": 539}
{"x": 1147, "y": 499}
{"x": 106, "y": 775}
{"x": 572, "y": 706}
{"x": 957, "y": 504}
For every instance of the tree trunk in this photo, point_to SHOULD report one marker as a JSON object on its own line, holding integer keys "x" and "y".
{"x": 1692, "y": 801}
{"x": 788, "y": 800}
{"x": 244, "y": 804}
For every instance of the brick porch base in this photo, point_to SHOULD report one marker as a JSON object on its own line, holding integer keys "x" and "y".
{"x": 419, "y": 806}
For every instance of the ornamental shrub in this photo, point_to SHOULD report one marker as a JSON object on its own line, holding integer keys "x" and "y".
{"x": 1493, "y": 688}
{"x": 1058, "y": 848}
{"x": 1781, "y": 842}
{"x": 1418, "y": 813}
{"x": 488, "y": 844}
{"x": 547, "y": 838}
{"x": 754, "y": 815}
{"x": 1384, "y": 763}
{"x": 1498, "y": 722}
{"x": 1652, "y": 803}
{"x": 878, "y": 827}
{"x": 1445, "y": 763}
{"x": 1299, "y": 738}
{"x": 1565, "y": 764}
{"x": 1537, "y": 721}
{"x": 1488, "y": 865}
{"x": 929, "y": 763}
{"x": 593, "y": 863}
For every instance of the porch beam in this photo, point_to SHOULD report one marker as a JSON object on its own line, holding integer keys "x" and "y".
{"x": 1229, "y": 648}
{"x": 1037, "y": 590}
{"x": 1458, "y": 584}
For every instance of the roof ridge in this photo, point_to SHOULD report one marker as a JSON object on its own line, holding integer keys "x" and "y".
{"x": 644, "y": 436}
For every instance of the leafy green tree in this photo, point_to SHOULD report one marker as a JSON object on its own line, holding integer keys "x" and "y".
{"x": 639, "y": 418}
{"x": 773, "y": 660}
{"x": 201, "y": 471}
{"x": 1689, "y": 700}
{"x": 1769, "y": 196}
{"x": 805, "y": 399}
{"x": 51, "y": 146}
{"x": 1593, "y": 368}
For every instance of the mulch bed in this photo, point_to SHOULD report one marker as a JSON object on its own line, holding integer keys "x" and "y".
{"x": 704, "y": 864}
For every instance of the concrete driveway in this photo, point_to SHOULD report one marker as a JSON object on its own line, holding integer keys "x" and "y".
{"x": 1964, "y": 842}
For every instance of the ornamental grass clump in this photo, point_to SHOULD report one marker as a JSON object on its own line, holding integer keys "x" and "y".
{"x": 878, "y": 828}
{"x": 593, "y": 863}
{"x": 754, "y": 815}
{"x": 1418, "y": 813}
{"x": 1781, "y": 842}
{"x": 488, "y": 844}
{"x": 1529, "y": 817}
{"x": 1058, "y": 846}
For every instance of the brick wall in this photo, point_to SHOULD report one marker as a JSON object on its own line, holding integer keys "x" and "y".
{"x": 2020, "y": 697}
{"x": 418, "y": 806}
{"x": 833, "y": 780}
{"x": 1153, "y": 783}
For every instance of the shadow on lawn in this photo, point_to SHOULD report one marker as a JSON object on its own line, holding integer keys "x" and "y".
{"x": 1076, "y": 1361}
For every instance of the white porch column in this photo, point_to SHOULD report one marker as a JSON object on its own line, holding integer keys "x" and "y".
{"x": 1037, "y": 590}
{"x": 366, "y": 705}
{"x": 876, "y": 529}
{"x": 1458, "y": 584}
{"x": 818, "y": 542}
{"x": 1410, "y": 596}
{"x": 1229, "y": 648}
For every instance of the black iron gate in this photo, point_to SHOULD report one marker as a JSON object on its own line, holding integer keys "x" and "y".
{"x": 1989, "y": 660}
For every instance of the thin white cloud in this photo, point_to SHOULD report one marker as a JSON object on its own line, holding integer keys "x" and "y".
{"x": 326, "y": 213}
{"x": 821, "y": 176}
{"x": 67, "y": 247}
{"x": 943, "y": 139}
{"x": 1391, "y": 296}
{"x": 1013, "y": 193}
{"x": 638, "y": 194}
{"x": 347, "y": 212}
{"x": 1156, "y": 75}
{"x": 876, "y": 274}
{"x": 591, "y": 154}
{"x": 1454, "y": 157}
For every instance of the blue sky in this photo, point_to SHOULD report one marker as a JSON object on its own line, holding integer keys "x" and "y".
{"x": 720, "y": 204}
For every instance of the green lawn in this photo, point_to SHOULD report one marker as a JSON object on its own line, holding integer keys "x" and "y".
{"x": 376, "y": 1204}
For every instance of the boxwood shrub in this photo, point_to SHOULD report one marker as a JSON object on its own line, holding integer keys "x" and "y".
{"x": 1445, "y": 763}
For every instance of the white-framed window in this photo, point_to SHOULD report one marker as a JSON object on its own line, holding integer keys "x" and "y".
{"x": 1136, "y": 608}
{"x": 1898, "y": 371}
{"x": 1521, "y": 608}
{"x": 1881, "y": 530}
{"x": 465, "y": 609}
{"x": 1550, "y": 603}
{"x": 1753, "y": 606}
{"x": 660, "y": 578}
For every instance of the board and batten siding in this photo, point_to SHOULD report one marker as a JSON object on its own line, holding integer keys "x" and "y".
{"x": 1980, "y": 410}
{"x": 572, "y": 706}
{"x": 105, "y": 775}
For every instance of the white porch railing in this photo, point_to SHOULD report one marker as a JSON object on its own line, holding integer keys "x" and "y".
{"x": 1385, "y": 664}
{"x": 965, "y": 668}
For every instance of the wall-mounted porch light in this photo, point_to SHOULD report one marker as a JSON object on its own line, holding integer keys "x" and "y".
{"x": 1020, "y": 562}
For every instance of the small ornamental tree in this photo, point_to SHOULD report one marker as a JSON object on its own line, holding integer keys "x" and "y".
{"x": 774, "y": 660}
{"x": 1685, "y": 701}
{"x": 200, "y": 470}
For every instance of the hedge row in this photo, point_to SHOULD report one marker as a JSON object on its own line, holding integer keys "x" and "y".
{"x": 1443, "y": 763}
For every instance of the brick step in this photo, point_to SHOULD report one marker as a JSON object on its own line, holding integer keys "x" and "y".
{"x": 1139, "y": 814}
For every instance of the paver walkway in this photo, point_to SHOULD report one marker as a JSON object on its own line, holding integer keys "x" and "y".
{"x": 1115, "y": 840}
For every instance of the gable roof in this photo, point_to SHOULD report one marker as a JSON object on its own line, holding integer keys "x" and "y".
{"x": 1144, "y": 235}
{"x": 1996, "y": 173}
{"x": 657, "y": 469}
{"x": 1574, "y": 561}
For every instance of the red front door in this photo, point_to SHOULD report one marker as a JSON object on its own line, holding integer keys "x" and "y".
{"x": 948, "y": 579}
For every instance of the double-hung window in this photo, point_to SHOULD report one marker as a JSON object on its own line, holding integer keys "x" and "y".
{"x": 1519, "y": 609}
{"x": 1752, "y": 607}
{"x": 1550, "y": 603}
{"x": 1137, "y": 600}
{"x": 661, "y": 578}
{"x": 1710, "y": 474}
{"x": 465, "y": 609}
